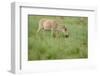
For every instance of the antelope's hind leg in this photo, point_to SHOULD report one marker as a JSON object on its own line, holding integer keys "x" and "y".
{"x": 53, "y": 33}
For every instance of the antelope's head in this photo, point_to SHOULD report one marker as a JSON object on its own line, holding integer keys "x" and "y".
{"x": 65, "y": 31}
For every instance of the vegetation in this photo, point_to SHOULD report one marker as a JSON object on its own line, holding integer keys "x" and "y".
{"x": 42, "y": 46}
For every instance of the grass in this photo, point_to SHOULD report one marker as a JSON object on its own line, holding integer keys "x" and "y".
{"x": 41, "y": 46}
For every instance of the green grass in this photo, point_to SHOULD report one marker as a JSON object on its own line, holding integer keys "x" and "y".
{"x": 42, "y": 46}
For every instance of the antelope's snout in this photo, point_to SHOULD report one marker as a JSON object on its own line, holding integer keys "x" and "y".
{"x": 67, "y": 34}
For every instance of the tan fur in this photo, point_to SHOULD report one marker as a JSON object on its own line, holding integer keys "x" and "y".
{"x": 52, "y": 25}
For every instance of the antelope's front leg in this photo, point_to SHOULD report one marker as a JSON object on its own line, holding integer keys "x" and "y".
{"x": 52, "y": 32}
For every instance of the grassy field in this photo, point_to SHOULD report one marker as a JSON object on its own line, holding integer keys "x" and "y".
{"x": 42, "y": 46}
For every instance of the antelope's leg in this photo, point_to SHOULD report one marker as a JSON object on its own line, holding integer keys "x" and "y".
{"x": 56, "y": 33}
{"x": 52, "y": 32}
